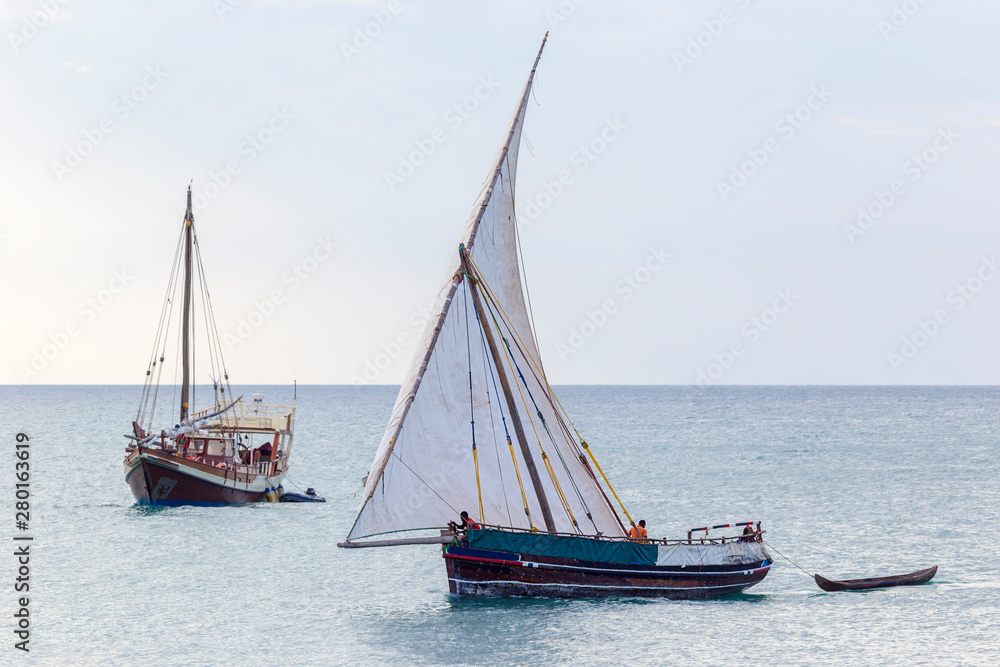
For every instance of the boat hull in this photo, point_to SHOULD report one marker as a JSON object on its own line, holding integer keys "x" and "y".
{"x": 477, "y": 573}
{"x": 173, "y": 483}
{"x": 911, "y": 579}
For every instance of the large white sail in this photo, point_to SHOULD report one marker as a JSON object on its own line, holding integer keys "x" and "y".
{"x": 425, "y": 473}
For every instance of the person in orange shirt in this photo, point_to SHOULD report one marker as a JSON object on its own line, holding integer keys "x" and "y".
{"x": 638, "y": 532}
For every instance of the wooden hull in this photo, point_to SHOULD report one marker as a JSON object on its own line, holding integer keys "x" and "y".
{"x": 479, "y": 573}
{"x": 164, "y": 480}
{"x": 911, "y": 579}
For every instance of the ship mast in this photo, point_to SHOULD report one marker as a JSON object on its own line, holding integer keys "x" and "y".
{"x": 522, "y": 440}
{"x": 186, "y": 327}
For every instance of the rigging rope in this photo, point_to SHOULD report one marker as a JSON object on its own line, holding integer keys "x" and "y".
{"x": 396, "y": 456}
{"x": 540, "y": 376}
{"x": 496, "y": 447}
{"x": 555, "y": 445}
{"x": 524, "y": 272}
{"x": 545, "y": 457}
{"x": 503, "y": 418}
{"x": 472, "y": 409}
{"x": 164, "y": 316}
{"x": 211, "y": 324}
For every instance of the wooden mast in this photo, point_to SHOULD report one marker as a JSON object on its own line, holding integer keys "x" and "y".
{"x": 529, "y": 460}
{"x": 186, "y": 326}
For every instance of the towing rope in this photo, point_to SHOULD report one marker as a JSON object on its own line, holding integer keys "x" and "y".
{"x": 771, "y": 546}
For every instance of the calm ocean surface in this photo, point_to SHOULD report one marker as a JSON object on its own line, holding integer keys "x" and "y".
{"x": 848, "y": 481}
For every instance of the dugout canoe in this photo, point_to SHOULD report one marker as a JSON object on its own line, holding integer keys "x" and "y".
{"x": 911, "y": 579}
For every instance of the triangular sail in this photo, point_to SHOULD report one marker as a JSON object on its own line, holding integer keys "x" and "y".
{"x": 426, "y": 471}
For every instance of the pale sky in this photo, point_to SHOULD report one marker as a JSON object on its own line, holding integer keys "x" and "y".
{"x": 648, "y": 110}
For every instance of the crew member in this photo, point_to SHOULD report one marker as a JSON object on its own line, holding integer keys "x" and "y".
{"x": 748, "y": 533}
{"x": 467, "y": 523}
{"x": 265, "y": 450}
{"x": 638, "y": 532}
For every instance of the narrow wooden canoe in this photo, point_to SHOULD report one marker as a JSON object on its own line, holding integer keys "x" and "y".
{"x": 913, "y": 578}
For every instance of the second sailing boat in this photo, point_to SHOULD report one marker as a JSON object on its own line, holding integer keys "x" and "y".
{"x": 230, "y": 451}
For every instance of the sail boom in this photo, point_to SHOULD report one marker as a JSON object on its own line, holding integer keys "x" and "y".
{"x": 403, "y": 541}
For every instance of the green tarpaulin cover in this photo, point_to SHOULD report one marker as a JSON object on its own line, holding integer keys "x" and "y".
{"x": 559, "y": 546}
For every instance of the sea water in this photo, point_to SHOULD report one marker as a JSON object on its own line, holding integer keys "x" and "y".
{"x": 848, "y": 482}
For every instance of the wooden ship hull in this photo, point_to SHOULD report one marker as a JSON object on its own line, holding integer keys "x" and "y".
{"x": 494, "y": 574}
{"x": 160, "y": 478}
{"x": 489, "y": 573}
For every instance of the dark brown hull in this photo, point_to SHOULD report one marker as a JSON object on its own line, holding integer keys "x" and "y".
{"x": 154, "y": 484}
{"x": 537, "y": 576}
{"x": 911, "y": 579}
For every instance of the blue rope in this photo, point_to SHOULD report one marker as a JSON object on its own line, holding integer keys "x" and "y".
{"x": 493, "y": 376}
{"x": 468, "y": 344}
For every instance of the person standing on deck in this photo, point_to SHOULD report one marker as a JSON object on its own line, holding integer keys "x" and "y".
{"x": 638, "y": 532}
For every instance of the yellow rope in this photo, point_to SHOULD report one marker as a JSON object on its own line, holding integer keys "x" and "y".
{"x": 562, "y": 496}
{"x": 524, "y": 497}
{"x": 496, "y": 448}
{"x": 586, "y": 447}
{"x": 548, "y": 466}
{"x": 513, "y": 457}
{"x": 475, "y": 457}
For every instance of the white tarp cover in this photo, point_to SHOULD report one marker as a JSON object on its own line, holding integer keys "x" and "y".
{"x": 731, "y": 553}
{"x": 423, "y": 474}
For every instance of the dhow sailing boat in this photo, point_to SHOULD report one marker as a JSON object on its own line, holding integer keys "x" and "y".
{"x": 230, "y": 451}
{"x": 476, "y": 428}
